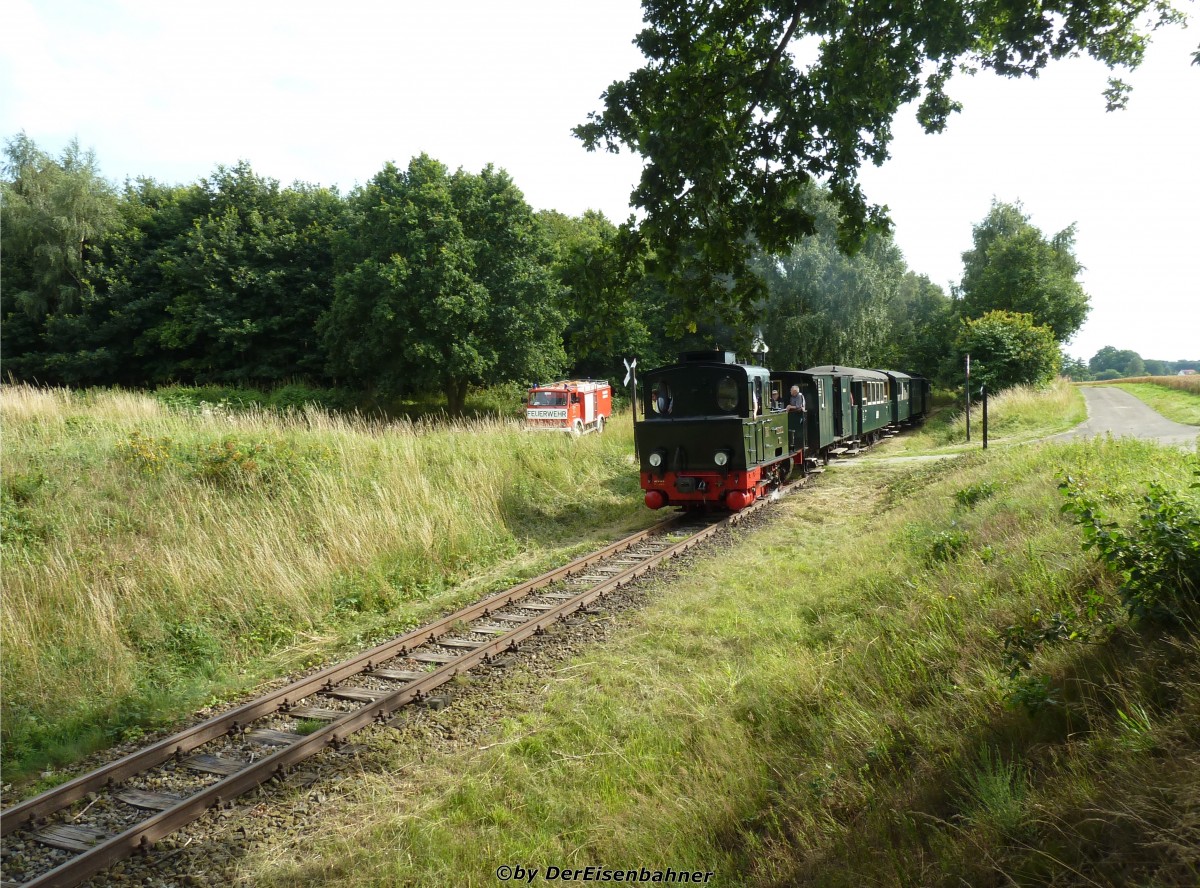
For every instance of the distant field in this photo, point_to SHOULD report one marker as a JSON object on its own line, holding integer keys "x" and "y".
{"x": 159, "y": 556}
{"x": 1181, "y": 383}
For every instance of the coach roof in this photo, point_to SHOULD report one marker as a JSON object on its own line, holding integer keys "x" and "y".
{"x": 857, "y": 372}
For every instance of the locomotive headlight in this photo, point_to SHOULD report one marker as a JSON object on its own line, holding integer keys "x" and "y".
{"x": 656, "y": 458}
{"x": 721, "y": 457}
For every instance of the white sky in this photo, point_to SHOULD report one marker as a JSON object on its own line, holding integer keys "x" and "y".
{"x": 327, "y": 93}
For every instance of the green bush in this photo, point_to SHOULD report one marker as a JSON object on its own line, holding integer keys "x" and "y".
{"x": 1157, "y": 561}
{"x": 230, "y": 462}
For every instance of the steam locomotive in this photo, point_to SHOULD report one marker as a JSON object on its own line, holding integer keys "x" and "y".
{"x": 717, "y": 435}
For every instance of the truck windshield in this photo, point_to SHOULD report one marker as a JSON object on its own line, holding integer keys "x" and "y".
{"x": 548, "y": 399}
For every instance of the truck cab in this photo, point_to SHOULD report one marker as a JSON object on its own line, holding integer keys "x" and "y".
{"x": 577, "y": 406}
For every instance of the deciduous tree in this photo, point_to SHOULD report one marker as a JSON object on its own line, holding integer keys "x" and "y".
{"x": 1014, "y": 267}
{"x": 741, "y": 103}
{"x": 608, "y": 303}
{"x": 1007, "y": 349}
{"x": 442, "y": 285}
{"x": 1124, "y": 361}
{"x": 249, "y": 279}
{"x": 827, "y": 307}
{"x": 56, "y": 210}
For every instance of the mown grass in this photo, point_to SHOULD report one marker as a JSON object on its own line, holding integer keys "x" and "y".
{"x": 1179, "y": 402}
{"x": 826, "y": 703}
{"x": 1016, "y": 415}
{"x": 159, "y": 555}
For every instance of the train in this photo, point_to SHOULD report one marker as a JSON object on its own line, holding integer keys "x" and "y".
{"x": 716, "y": 434}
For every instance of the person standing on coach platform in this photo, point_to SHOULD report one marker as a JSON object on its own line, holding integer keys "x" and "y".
{"x": 796, "y": 402}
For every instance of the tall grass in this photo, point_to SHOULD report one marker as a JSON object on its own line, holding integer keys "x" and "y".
{"x": 1016, "y": 414}
{"x": 150, "y": 552}
{"x": 827, "y": 703}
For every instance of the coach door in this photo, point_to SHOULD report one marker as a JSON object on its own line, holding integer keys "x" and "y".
{"x": 840, "y": 399}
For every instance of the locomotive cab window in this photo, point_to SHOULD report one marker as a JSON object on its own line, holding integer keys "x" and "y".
{"x": 727, "y": 394}
{"x": 660, "y": 398}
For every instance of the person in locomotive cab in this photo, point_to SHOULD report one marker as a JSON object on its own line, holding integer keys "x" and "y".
{"x": 796, "y": 402}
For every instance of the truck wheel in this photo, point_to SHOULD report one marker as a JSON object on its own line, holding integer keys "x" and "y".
{"x": 577, "y": 429}
{"x": 599, "y": 425}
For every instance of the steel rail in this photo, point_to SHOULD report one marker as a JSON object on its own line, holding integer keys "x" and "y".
{"x": 144, "y": 834}
{"x": 52, "y": 800}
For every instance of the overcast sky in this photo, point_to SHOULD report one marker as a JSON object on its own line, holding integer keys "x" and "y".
{"x": 327, "y": 93}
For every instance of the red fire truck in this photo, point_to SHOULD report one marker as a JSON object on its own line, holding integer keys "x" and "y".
{"x": 573, "y": 405}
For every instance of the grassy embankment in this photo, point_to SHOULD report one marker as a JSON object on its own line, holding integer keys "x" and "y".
{"x": 1015, "y": 416}
{"x": 156, "y": 557}
{"x": 1175, "y": 397}
{"x": 827, "y": 703}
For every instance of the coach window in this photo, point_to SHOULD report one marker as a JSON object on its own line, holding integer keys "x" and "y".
{"x": 727, "y": 392}
{"x": 661, "y": 397}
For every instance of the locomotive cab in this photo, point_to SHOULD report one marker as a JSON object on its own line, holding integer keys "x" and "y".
{"x": 714, "y": 434}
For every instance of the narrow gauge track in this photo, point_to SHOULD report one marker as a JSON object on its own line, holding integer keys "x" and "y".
{"x": 218, "y": 760}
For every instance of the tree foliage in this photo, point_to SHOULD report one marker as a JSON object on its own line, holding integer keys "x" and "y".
{"x": 1007, "y": 349}
{"x": 442, "y": 284}
{"x": 1123, "y": 361}
{"x": 1075, "y": 369}
{"x": 1013, "y": 267}
{"x": 426, "y": 281}
{"x": 612, "y": 308}
{"x": 249, "y": 279}
{"x": 55, "y": 211}
{"x": 867, "y": 310}
{"x": 742, "y": 103}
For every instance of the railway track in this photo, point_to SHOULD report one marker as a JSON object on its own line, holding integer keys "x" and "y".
{"x": 86, "y": 825}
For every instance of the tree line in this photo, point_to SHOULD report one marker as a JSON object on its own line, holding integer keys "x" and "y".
{"x": 1119, "y": 363}
{"x": 423, "y": 280}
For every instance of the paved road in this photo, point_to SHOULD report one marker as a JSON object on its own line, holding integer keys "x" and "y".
{"x": 1116, "y": 412}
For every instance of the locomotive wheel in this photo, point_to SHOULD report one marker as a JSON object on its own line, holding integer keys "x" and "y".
{"x": 785, "y": 469}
